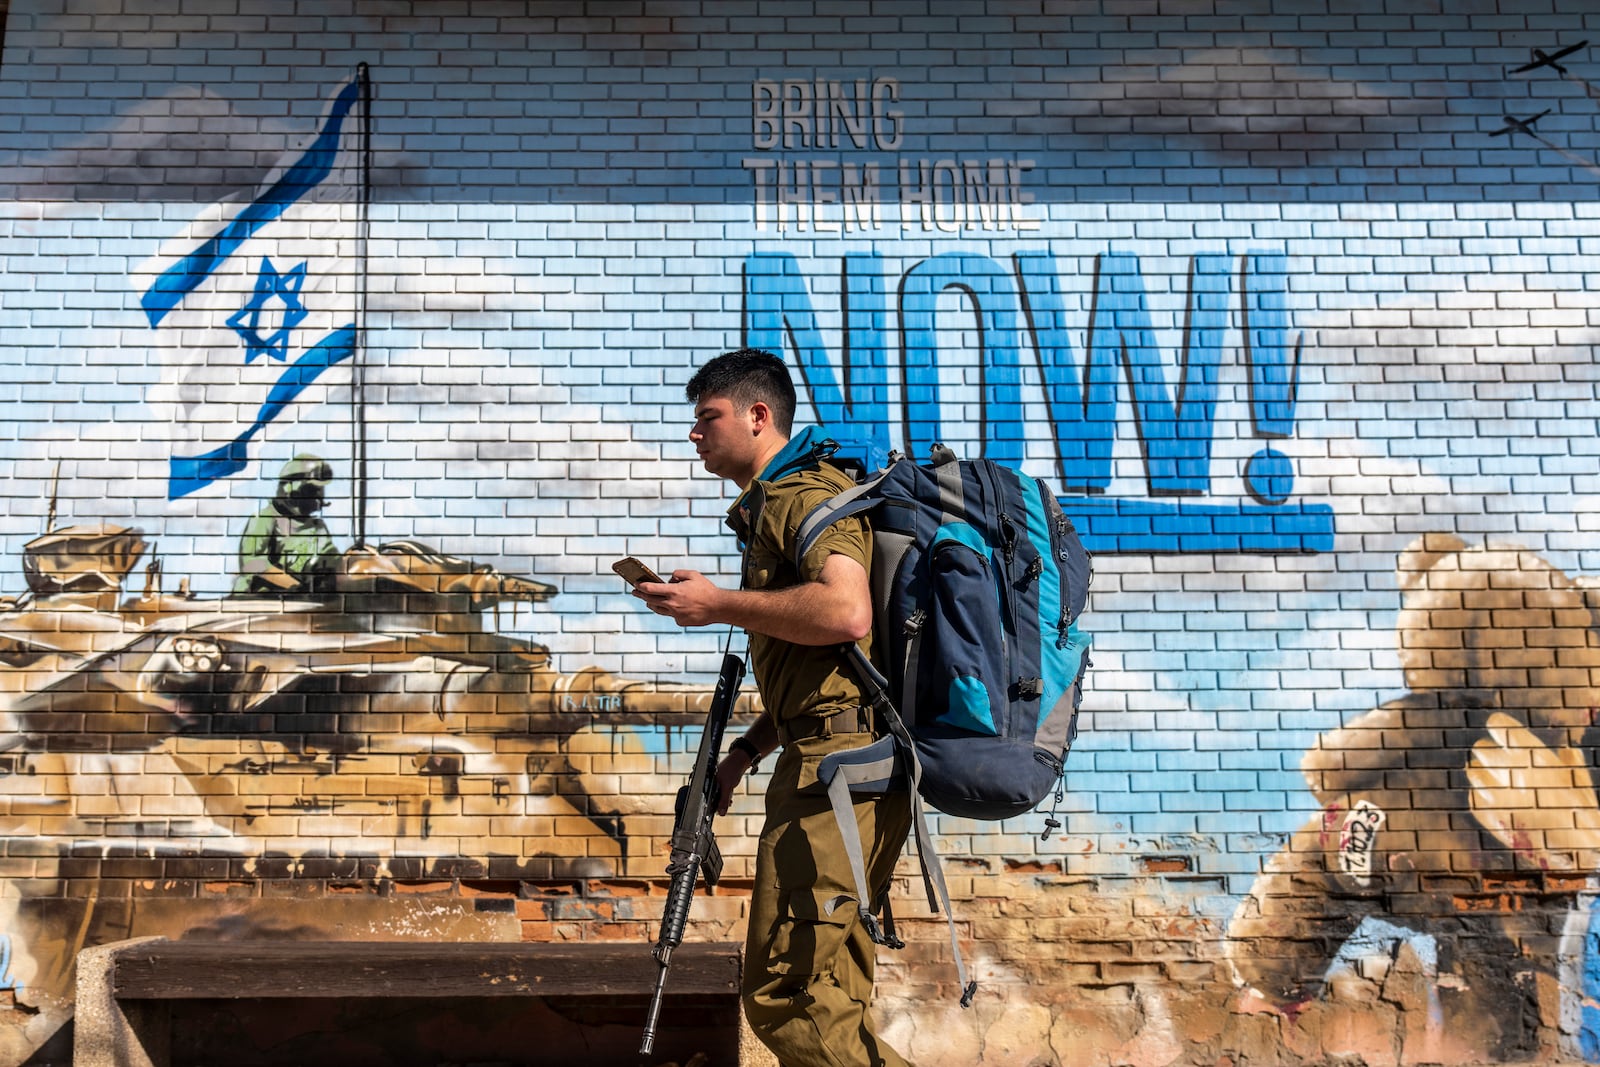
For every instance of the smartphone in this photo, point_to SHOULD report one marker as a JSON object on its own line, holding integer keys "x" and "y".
{"x": 634, "y": 571}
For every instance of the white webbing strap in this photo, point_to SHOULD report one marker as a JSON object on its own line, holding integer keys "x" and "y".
{"x": 876, "y": 768}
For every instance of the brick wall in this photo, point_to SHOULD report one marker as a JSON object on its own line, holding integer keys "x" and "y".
{"x": 1286, "y": 303}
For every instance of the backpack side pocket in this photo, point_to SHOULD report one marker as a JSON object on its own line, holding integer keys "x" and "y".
{"x": 962, "y": 660}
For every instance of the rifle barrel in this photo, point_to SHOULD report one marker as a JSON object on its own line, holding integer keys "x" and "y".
{"x": 664, "y": 957}
{"x": 694, "y": 849}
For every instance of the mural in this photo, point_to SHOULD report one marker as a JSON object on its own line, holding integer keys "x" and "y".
{"x": 374, "y": 729}
{"x": 338, "y": 363}
{"x": 1026, "y": 299}
{"x": 1478, "y": 783}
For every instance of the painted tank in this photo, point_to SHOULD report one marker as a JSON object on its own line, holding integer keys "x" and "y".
{"x": 383, "y": 725}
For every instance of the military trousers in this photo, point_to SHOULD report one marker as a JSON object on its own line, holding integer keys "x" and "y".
{"x": 809, "y": 961}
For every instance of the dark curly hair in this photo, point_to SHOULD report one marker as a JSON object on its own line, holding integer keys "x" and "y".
{"x": 747, "y": 376}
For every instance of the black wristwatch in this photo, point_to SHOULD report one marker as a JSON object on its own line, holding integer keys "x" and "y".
{"x": 745, "y": 745}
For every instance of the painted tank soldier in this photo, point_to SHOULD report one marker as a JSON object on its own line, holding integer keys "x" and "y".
{"x": 286, "y": 549}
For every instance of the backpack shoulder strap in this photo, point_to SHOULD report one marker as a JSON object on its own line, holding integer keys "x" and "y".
{"x": 852, "y": 501}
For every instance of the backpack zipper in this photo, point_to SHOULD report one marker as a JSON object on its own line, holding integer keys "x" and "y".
{"x": 1059, "y": 546}
{"x": 1004, "y": 593}
{"x": 1008, "y": 540}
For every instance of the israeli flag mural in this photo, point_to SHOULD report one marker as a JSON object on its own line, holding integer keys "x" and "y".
{"x": 251, "y": 306}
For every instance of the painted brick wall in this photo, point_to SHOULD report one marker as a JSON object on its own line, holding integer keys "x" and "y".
{"x": 1292, "y": 306}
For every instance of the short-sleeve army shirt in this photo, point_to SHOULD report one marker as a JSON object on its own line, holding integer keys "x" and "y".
{"x": 797, "y": 680}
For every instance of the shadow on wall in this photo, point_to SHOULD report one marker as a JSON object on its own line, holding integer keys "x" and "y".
{"x": 1456, "y": 816}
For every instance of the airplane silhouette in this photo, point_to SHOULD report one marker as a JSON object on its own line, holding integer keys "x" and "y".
{"x": 1541, "y": 58}
{"x": 1516, "y": 125}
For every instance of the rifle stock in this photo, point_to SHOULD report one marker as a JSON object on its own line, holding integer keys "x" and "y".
{"x": 694, "y": 847}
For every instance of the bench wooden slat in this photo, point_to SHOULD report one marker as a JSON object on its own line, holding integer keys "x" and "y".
{"x": 185, "y": 970}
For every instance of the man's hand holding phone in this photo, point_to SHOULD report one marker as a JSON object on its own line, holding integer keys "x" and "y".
{"x": 687, "y": 597}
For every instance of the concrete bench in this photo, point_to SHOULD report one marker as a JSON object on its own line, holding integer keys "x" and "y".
{"x": 152, "y": 1002}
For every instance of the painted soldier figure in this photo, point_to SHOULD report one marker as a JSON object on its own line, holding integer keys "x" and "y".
{"x": 286, "y": 549}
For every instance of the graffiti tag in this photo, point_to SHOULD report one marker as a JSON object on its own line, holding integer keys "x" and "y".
{"x": 1357, "y": 840}
{"x": 593, "y": 702}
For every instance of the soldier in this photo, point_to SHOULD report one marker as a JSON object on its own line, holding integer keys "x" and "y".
{"x": 808, "y": 959}
{"x": 286, "y": 550}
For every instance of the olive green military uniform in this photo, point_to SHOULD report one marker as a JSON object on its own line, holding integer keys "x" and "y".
{"x": 285, "y": 548}
{"x": 808, "y": 960}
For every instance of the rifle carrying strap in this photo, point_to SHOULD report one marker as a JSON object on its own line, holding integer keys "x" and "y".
{"x": 885, "y": 764}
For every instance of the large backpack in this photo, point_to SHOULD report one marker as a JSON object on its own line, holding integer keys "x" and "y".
{"x": 978, "y": 580}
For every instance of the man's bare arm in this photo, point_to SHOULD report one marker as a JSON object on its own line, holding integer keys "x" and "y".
{"x": 835, "y": 608}
{"x": 763, "y": 736}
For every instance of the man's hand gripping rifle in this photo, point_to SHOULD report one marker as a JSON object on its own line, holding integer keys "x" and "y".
{"x": 694, "y": 849}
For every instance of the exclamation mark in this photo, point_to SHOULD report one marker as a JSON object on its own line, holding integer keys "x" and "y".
{"x": 1274, "y": 371}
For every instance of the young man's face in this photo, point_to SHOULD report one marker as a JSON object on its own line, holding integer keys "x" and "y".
{"x": 725, "y": 438}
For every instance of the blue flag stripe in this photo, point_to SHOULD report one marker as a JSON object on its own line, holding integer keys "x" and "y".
{"x": 310, "y": 170}
{"x": 189, "y": 473}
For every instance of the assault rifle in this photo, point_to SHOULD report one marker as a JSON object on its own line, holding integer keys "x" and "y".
{"x": 694, "y": 849}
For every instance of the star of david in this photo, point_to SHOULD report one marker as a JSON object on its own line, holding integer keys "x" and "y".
{"x": 253, "y": 321}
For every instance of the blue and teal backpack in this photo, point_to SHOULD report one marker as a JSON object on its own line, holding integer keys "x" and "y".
{"x": 978, "y": 580}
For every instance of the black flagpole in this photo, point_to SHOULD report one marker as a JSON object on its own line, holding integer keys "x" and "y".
{"x": 358, "y": 406}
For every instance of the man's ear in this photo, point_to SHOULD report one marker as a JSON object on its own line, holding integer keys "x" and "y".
{"x": 760, "y": 418}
